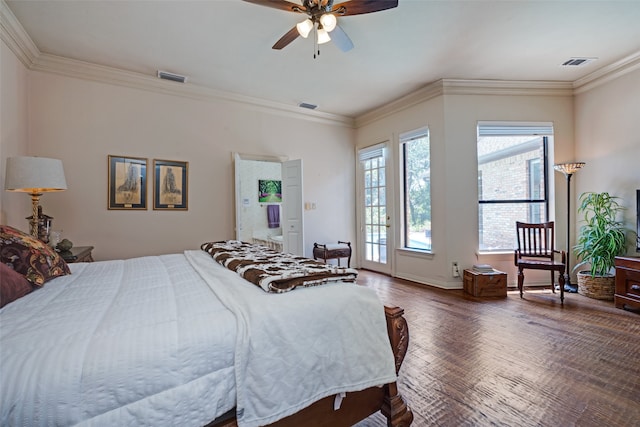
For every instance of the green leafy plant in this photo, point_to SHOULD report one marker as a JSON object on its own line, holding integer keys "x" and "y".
{"x": 602, "y": 237}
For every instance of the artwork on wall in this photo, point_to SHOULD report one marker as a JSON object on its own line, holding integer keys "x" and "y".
{"x": 170, "y": 190}
{"x": 127, "y": 183}
{"x": 269, "y": 191}
{"x": 638, "y": 220}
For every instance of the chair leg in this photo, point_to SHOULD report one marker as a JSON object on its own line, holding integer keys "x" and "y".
{"x": 520, "y": 281}
{"x": 561, "y": 283}
{"x": 553, "y": 284}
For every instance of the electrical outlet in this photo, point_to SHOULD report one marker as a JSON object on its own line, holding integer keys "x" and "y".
{"x": 454, "y": 269}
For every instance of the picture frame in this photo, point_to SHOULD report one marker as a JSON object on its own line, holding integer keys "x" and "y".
{"x": 637, "y": 220}
{"x": 269, "y": 191}
{"x": 171, "y": 189}
{"x": 127, "y": 183}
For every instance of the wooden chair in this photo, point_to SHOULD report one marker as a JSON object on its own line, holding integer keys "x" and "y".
{"x": 536, "y": 252}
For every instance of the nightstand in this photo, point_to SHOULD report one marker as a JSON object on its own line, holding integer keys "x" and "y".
{"x": 77, "y": 254}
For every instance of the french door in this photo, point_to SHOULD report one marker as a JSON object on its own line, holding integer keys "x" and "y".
{"x": 373, "y": 214}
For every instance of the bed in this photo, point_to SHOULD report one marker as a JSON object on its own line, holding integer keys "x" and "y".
{"x": 181, "y": 339}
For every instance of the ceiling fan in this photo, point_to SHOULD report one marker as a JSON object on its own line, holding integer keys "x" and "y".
{"x": 321, "y": 17}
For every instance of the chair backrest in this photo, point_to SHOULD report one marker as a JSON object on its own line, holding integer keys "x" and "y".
{"x": 535, "y": 240}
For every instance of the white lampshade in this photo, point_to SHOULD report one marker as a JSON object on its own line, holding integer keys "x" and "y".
{"x": 328, "y": 21}
{"x": 34, "y": 175}
{"x": 305, "y": 27}
{"x": 323, "y": 36}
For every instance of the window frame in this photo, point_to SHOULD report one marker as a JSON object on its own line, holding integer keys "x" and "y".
{"x": 404, "y": 139}
{"x": 542, "y": 130}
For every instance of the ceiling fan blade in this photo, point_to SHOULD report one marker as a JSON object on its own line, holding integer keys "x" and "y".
{"x": 291, "y": 35}
{"x": 358, "y": 7}
{"x": 341, "y": 39}
{"x": 279, "y": 4}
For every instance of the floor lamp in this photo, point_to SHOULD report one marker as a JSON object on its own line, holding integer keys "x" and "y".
{"x": 34, "y": 175}
{"x": 568, "y": 169}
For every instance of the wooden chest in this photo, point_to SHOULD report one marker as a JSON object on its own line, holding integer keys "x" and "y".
{"x": 627, "y": 283}
{"x": 485, "y": 284}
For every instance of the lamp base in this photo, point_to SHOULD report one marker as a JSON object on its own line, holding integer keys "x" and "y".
{"x": 35, "y": 199}
{"x": 568, "y": 286}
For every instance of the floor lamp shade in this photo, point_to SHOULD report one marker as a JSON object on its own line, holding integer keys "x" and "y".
{"x": 34, "y": 175}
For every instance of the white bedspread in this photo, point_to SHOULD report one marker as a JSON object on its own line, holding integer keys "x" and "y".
{"x": 295, "y": 348}
{"x": 136, "y": 342}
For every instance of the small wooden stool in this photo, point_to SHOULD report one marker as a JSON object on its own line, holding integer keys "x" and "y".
{"x": 333, "y": 251}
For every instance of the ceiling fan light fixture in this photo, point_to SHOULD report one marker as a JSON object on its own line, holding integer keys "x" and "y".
{"x": 305, "y": 27}
{"x": 323, "y": 36}
{"x": 328, "y": 21}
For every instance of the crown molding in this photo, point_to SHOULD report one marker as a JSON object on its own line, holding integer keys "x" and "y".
{"x": 13, "y": 34}
{"x": 607, "y": 73}
{"x": 20, "y": 43}
{"x": 467, "y": 87}
{"x": 506, "y": 87}
{"x": 423, "y": 94}
{"x": 103, "y": 74}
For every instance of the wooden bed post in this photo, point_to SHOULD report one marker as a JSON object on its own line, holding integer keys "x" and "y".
{"x": 394, "y": 407}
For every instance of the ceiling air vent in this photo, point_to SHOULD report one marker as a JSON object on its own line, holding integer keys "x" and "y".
{"x": 577, "y": 62}
{"x": 171, "y": 76}
{"x": 306, "y": 105}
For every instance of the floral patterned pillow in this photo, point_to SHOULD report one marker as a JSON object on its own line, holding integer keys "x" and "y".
{"x": 30, "y": 257}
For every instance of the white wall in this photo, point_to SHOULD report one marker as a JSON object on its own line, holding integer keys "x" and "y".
{"x": 608, "y": 140}
{"x": 452, "y": 121}
{"x": 13, "y": 132}
{"x": 82, "y": 122}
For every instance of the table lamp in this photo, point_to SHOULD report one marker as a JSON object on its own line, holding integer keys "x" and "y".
{"x": 34, "y": 175}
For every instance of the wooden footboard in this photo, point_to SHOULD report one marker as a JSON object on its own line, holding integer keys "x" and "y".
{"x": 357, "y": 406}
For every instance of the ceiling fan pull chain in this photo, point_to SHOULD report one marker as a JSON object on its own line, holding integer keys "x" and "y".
{"x": 315, "y": 43}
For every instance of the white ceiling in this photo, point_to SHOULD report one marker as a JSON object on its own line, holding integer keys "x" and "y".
{"x": 226, "y": 44}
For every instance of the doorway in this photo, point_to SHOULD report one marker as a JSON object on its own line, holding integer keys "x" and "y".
{"x": 268, "y": 194}
{"x": 374, "y": 217}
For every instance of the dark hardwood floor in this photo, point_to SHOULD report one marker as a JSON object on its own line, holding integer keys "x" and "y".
{"x": 512, "y": 361}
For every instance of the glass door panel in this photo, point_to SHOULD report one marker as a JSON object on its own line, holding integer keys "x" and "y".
{"x": 375, "y": 222}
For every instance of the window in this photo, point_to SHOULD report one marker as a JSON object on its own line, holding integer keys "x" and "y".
{"x": 416, "y": 172}
{"x": 512, "y": 180}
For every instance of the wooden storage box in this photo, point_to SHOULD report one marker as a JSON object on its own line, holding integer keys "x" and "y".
{"x": 485, "y": 284}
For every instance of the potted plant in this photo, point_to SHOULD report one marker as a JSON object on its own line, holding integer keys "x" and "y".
{"x": 602, "y": 237}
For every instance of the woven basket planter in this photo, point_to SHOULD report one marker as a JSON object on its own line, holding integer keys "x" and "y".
{"x": 598, "y": 287}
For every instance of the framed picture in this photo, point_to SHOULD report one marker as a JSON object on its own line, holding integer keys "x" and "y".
{"x": 170, "y": 190}
{"x": 269, "y": 190}
{"x": 638, "y": 220}
{"x": 127, "y": 183}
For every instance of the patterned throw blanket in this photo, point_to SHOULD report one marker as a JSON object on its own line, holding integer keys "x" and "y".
{"x": 274, "y": 271}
